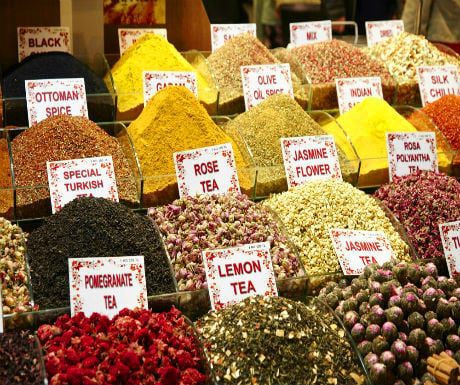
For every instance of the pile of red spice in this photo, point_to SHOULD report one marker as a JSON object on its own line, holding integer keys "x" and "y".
{"x": 136, "y": 347}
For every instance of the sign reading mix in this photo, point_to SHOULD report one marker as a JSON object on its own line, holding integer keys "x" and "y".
{"x": 128, "y": 36}
{"x": 377, "y": 31}
{"x": 450, "y": 236}
{"x": 310, "y": 32}
{"x": 155, "y": 81}
{"x": 220, "y": 33}
{"x": 436, "y": 81}
{"x": 351, "y": 91}
{"x": 42, "y": 39}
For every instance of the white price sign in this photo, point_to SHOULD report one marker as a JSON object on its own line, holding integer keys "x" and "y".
{"x": 155, "y": 81}
{"x": 450, "y": 237}
{"x": 310, "y": 32}
{"x": 351, "y": 91}
{"x": 220, "y": 33}
{"x": 128, "y": 36}
{"x": 33, "y": 40}
{"x": 437, "y": 81}
{"x": 377, "y": 31}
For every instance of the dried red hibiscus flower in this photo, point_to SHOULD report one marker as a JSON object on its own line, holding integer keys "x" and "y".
{"x": 136, "y": 347}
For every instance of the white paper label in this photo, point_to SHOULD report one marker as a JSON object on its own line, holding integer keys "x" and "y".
{"x": 237, "y": 273}
{"x": 50, "y": 97}
{"x": 310, "y": 158}
{"x": 310, "y": 32}
{"x": 436, "y": 81}
{"x": 262, "y": 81}
{"x": 206, "y": 170}
{"x": 356, "y": 249}
{"x": 70, "y": 179}
{"x": 409, "y": 152}
{"x": 42, "y": 39}
{"x": 155, "y": 81}
{"x": 107, "y": 285}
{"x": 450, "y": 237}
{"x": 220, "y": 33}
{"x": 128, "y": 36}
{"x": 377, "y": 31}
{"x": 351, "y": 91}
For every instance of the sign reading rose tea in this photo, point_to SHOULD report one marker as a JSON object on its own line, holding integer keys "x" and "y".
{"x": 206, "y": 170}
{"x": 351, "y": 91}
{"x": 107, "y": 285}
{"x": 128, "y": 36}
{"x": 155, "y": 81}
{"x": 42, "y": 39}
{"x": 310, "y": 32}
{"x": 436, "y": 81}
{"x": 70, "y": 179}
{"x": 239, "y": 272}
{"x": 262, "y": 81}
{"x": 309, "y": 158}
{"x": 220, "y": 33}
{"x": 377, "y": 31}
{"x": 356, "y": 249}
{"x": 450, "y": 236}
{"x": 50, "y": 97}
{"x": 409, "y": 152}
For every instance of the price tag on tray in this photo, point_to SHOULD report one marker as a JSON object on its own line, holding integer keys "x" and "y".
{"x": 450, "y": 237}
{"x": 310, "y": 32}
{"x": 42, "y": 39}
{"x": 436, "y": 81}
{"x": 128, "y": 36}
{"x": 351, "y": 91}
{"x": 377, "y": 31}
{"x": 220, "y": 33}
{"x": 155, "y": 81}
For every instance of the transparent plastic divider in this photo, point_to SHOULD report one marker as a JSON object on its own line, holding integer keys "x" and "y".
{"x": 345, "y": 24}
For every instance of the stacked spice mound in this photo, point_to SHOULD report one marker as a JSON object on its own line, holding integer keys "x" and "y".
{"x": 60, "y": 138}
{"x": 261, "y": 128}
{"x": 399, "y": 314}
{"x": 192, "y": 224}
{"x": 88, "y": 227}
{"x": 309, "y": 211}
{"x": 54, "y": 65}
{"x": 421, "y": 202}
{"x": 174, "y": 121}
{"x": 135, "y": 347}
{"x": 273, "y": 340}
{"x": 6, "y": 191}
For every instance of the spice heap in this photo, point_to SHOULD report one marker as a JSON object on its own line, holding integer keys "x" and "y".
{"x": 399, "y": 314}
{"x": 60, "y": 138}
{"x": 13, "y": 272}
{"x": 6, "y": 191}
{"x": 174, "y": 121}
{"x": 273, "y": 340}
{"x": 53, "y": 65}
{"x": 88, "y": 227}
{"x": 192, "y": 224}
{"x": 135, "y": 347}
{"x": 309, "y": 211}
{"x": 421, "y": 202}
{"x": 285, "y": 56}
{"x": 20, "y": 360}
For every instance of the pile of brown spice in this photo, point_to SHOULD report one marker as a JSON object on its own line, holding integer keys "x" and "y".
{"x": 6, "y": 191}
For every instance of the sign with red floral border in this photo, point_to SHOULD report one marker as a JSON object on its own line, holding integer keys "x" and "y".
{"x": 237, "y": 273}
{"x": 220, "y": 33}
{"x": 377, "y": 31}
{"x": 70, "y": 179}
{"x": 450, "y": 237}
{"x": 308, "y": 158}
{"x": 310, "y": 32}
{"x": 409, "y": 152}
{"x": 128, "y": 36}
{"x": 107, "y": 285}
{"x": 42, "y": 39}
{"x": 351, "y": 91}
{"x": 436, "y": 81}
{"x": 356, "y": 249}
{"x": 206, "y": 170}
{"x": 155, "y": 81}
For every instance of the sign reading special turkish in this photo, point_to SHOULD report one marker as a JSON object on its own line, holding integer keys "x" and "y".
{"x": 155, "y": 81}
{"x": 262, "y": 81}
{"x": 42, "y": 39}
{"x": 356, "y": 249}
{"x": 128, "y": 36}
{"x": 308, "y": 158}
{"x": 450, "y": 236}
{"x": 50, "y": 97}
{"x": 409, "y": 152}
{"x": 436, "y": 81}
{"x": 70, "y": 179}
{"x": 351, "y": 91}
{"x": 107, "y": 285}
{"x": 239, "y": 272}
{"x": 206, "y": 170}
{"x": 310, "y": 32}
{"x": 220, "y": 33}
{"x": 376, "y": 31}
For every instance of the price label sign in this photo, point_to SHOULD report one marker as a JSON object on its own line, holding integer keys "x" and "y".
{"x": 436, "y": 81}
{"x": 220, "y": 33}
{"x": 70, "y": 179}
{"x": 42, "y": 39}
{"x": 409, "y": 152}
{"x": 263, "y": 81}
{"x": 239, "y": 272}
{"x": 107, "y": 285}
{"x": 450, "y": 237}
{"x": 155, "y": 81}
{"x": 356, "y": 249}
{"x": 128, "y": 36}
{"x": 310, "y": 32}
{"x": 351, "y": 91}
{"x": 309, "y": 158}
{"x": 377, "y": 31}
